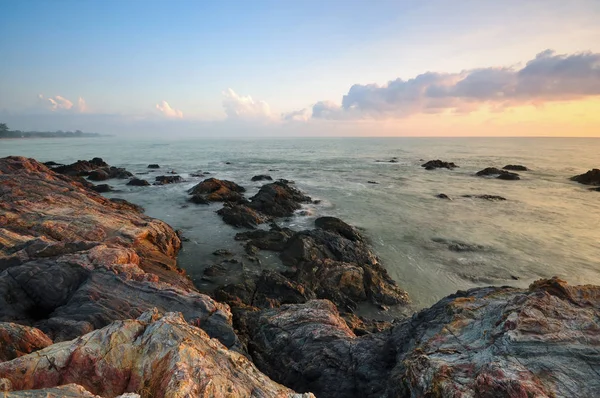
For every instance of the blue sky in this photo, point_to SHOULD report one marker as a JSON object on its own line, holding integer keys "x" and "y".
{"x": 217, "y": 60}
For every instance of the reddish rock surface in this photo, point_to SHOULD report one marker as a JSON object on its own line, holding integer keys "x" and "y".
{"x": 17, "y": 340}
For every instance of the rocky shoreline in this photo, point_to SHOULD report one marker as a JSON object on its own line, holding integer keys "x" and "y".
{"x": 92, "y": 302}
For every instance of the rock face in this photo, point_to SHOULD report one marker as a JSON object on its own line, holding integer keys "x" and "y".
{"x": 278, "y": 199}
{"x": 214, "y": 190}
{"x": 72, "y": 261}
{"x": 500, "y": 174}
{"x": 17, "y": 340}
{"x": 591, "y": 177}
{"x": 486, "y": 342}
{"x": 515, "y": 167}
{"x": 438, "y": 164}
{"x": 157, "y": 356}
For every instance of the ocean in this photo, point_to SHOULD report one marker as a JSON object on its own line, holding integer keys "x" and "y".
{"x": 432, "y": 247}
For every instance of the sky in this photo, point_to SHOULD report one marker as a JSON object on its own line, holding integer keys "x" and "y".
{"x": 302, "y": 67}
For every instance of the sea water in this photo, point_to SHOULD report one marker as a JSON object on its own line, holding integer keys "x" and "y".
{"x": 547, "y": 226}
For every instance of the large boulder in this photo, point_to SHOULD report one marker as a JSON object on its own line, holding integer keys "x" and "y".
{"x": 81, "y": 167}
{"x": 438, "y": 164}
{"x": 215, "y": 190}
{"x": 138, "y": 182}
{"x": 158, "y": 356}
{"x": 72, "y": 261}
{"x": 278, "y": 199}
{"x": 591, "y": 177}
{"x": 17, "y": 340}
{"x": 262, "y": 177}
{"x": 515, "y": 167}
{"x": 239, "y": 215}
{"x": 163, "y": 180}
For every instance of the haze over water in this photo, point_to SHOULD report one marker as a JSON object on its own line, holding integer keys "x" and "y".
{"x": 548, "y": 226}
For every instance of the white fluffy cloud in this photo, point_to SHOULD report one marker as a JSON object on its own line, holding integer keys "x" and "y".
{"x": 302, "y": 115}
{"x": 165, "y": 109}
{"x": 238, "y": 107}
{"x": 61, "y": 104}
{"x": 546, "y": 78}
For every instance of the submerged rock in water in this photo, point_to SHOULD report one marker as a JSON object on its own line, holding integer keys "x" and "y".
{"x": 438, "y": 164}
{"x": 486, "y": 197}
{"x": 495, "y": 341}
{"x": 138, "y": 182}
{"x": 163, "y": 180}
{"x": 262, "y": 177}
{"x": 591, "y": 177}
{"x": 214, "y": 190}
{"x": 278, "y": 199}
{"x": 72, "y": 261}
{"x": 154, "y": 355}
{"x": 443, "y": 196}
{"x": 240, "y": 215}
{"x": 500, "y": 174}
{"x": 515, "y": 167}
{"x": 153, "y": 166}
{"x": 102, "y": 188}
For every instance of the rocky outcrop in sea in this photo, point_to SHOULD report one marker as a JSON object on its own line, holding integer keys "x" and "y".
{"x": 92, "y": 303}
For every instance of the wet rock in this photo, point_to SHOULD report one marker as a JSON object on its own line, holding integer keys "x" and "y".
{"x": 515, "y": 167}
{"x": 154, "y": 166}
{"x": 222, "y": 252}
{"x": 438, "y": 164}
{"x": 138, "y": 182}
{"x": 163, "y": 180}
{"x": 123, "y": 204}
{"x": 239, "y": 215}
{"x": 81, "y": 167}
{"x": 458, "y": 246}
{"x": 338, "y": 226}
{"x": 214, "y": 190}
{"x": 591, "y": 177}
{"x": 52, "y": 164}
{"x": 443, "y": 196}
{"x": 98, "y": 175}
{"x": 72, "y": 261}
{"x": 101, "y": 188}
{"x": 372, "y": 182}
{"x": 262, "y": 177}
{"x": 486, "y": 197}
{"x": 278, "y": 199}
{"x": 275, "y": 239}
{"x": 160, "y": 356}
{"x": 17, "y": 340}
{"x": 500, "y": 174}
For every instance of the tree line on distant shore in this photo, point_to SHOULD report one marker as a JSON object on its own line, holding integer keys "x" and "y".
{"x": 6, "y": 133}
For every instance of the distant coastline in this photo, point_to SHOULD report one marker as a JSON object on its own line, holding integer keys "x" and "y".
{"x": 15, "y": 135}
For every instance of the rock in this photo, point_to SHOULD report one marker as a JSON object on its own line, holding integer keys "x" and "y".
{"x": 222, "y": 252}
{"x": 274, "y": 239}
{"x": 214, "y": 190}
{"x": 278, "y": 199}
{"x": 501, "y": 174}
{"x": 153, "y": 166}
{"x": 81, "y": 167}
{"x": 438, "y": 164}
{"x": 595, "y": 189}
{"x": 239, "y": 215}
{"x": 118, "y": 172}
{"x": 372, "y": 182}
{"x": 458, "y": 246}
{"x": 515, "y": 167}
{"x": 101, "y": 188}
{"x": 138, "y": 182}
{"x": 262, "y": 177}
{"x": 72, "y": 261}
{"x": 227, "y": 162}
{"x": 160, "y": 356}
{"x": 443, "y": 196}
{"x": 63, "y": 391}
{"x": 591, "y": 177}
{"x": 338, "y": 226}
{"x": 105, "y": 173}
{"x": 486, "y": 197}
{"x": 52, "y": 164}
{"x": 122, "y": 204}
{"x": 17, "y": 340}
{"x": 163, "y": 180}
{"x": 488, "y": 342}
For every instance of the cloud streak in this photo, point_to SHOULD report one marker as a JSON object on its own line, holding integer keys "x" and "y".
{"x": 546, "y": 78}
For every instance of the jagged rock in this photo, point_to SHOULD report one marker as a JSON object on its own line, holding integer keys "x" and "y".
{"x": 443, "y": 196}
{"x": 500, "y": 174}
{"x": 338, "y": 226}
{"x": 278, "y": 199}
{"x": 17, "y": 340}
{"x": 239, "y": 215}
{"x": 72, "y": 261}
{"x": 214, "y": 190}
{"x": 485, "y": 342}
{"x": 438, "y": 164}
{"x": 153, "y": 166}
{"x": 64, "y": 391}
{"x": 159, "y": 356}
{"x": 515, "y": 167}
{"x": 591, "y": 177}
{"x": 81, "y": 167}
{"x": 101, "y": 188}
{"x": 138, "y": 182}
{"x": 163, "y": 180}
{"x": 262, "y": 177}
{"x": 275, "y": 239}
{"x": 486, "y": 197}
{"x": 98, "y": 175}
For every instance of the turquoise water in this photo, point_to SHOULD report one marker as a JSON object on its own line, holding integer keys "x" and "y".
{"x": 548, "y": 226}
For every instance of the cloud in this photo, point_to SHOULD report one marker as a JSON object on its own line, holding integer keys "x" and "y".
{"x": 81, "y": 105}
{"x": 244, "y": 108}
{"x": 302, "y": 115}
{"x": 61, "y": 104}
{"x": 546, "y": 78}
{"x": 165, "y": 109}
